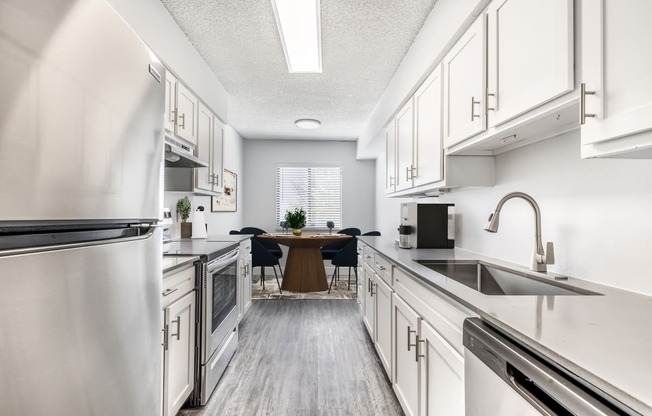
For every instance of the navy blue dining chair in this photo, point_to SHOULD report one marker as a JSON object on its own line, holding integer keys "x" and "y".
{"x": 329, "y": 251}
{"x": 347, "y": 256}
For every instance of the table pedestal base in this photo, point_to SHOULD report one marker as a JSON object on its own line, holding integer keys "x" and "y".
{"x": 304, "y": 270}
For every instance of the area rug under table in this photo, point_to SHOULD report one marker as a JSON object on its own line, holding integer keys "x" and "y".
{"x": 339, "y": 290}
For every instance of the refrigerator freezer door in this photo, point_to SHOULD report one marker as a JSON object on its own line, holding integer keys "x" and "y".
{"x": 81, "y": 330}
{"x": 81, "y": 114}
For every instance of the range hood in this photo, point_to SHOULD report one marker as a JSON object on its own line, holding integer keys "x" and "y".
{"x": 180, "y": 156}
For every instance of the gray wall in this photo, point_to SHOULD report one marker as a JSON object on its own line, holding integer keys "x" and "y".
{"x": 262, "y": 157}
{"x": 596, "y": 211}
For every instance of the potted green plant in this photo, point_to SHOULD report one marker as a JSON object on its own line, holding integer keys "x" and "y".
{"x": 183, "y": 213}
{"x": 296, "y": 220}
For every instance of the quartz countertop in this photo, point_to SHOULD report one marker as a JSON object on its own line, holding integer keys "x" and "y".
{"x": 172, "y": 263}
{"x": 205, "y": 249}
{"x": 605, "y": 340}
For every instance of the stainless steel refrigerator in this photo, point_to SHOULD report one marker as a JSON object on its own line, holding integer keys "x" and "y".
{"x": 81, "y": 118}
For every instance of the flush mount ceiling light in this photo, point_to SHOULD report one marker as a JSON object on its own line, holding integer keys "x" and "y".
{"x": 299, "y": 25}
{"x": 308, "y": 123}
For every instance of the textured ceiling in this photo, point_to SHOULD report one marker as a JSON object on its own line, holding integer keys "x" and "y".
{"x": 363, "y": 43}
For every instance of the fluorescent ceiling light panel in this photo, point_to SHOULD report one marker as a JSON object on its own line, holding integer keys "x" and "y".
{"x": 299, "y": 25}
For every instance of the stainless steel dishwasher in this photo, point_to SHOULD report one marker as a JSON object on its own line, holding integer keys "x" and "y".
{"x": 503, "y": 378}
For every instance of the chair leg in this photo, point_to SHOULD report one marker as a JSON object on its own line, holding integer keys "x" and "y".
{"x": 277, "y": 282}
{"x": 333, "y": 278}
{"x": 348, "y": 287}
{"x": 262, "y": 276}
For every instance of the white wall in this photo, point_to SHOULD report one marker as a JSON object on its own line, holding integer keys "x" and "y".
{"x": 596, "y": 211}
{"x": 151, "y": 20}
{"x": 358, "y": 193}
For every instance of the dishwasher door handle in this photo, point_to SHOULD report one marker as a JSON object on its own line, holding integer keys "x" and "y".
{"x": 542, "y": 385}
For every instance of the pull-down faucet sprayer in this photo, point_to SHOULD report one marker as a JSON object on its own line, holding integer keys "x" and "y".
{"x": 539, "y": 257}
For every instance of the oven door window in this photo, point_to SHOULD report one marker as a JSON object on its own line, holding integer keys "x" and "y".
{"x": 224, "y": 293}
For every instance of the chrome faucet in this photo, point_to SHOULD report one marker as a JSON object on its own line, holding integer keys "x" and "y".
{"x": 539, "y": 257}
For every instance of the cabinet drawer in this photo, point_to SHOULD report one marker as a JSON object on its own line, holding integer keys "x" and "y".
{"x": 245, "y": 248}
{"x": 175, "y": 285}
{"x": 368, "y": 256}
{"x": 360, "y": 247}
{"x": 383, "y": 268}
{"x": 444, "y": 315}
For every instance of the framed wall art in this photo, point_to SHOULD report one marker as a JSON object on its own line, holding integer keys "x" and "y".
{"x": 228, "y": 201}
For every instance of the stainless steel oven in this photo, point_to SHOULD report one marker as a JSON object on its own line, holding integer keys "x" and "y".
{"x": 218, "y": 320}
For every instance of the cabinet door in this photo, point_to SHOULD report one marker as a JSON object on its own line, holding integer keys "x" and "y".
{"x": 390, "y": 157}
{"x": 530, "y": 55}
{"x": 369, "y": 307}
{"x": 464, "y": 85}
{"x": 404, "y": 139}
{"x": 170, "y": 101}
{"x": 187, "y": 111}
{"x": 428, "y": 151}
{"x": 246, "y": 292}
{"x": 442, "y": 375}
{"x": 383, "y": 313}
{"x": 203, "y": 176}
{"x": 217, "y": 155}
{"x": 406, "y": 367}
{"x": 616, "y": 66}
{"x": 179, "y": 355}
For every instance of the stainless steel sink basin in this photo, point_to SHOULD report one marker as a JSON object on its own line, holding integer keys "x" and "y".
{"x": 495, "y": 280}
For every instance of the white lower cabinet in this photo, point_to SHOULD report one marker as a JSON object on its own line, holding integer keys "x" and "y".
{"x": 406, "y": 364}
{"x": 417, "y": 332}
{"x": 442, "y": 375}
{"x": 382, "y": 294}
{"x": 244, "y": 279}
{"x": 178, "y": 339}
{"x": 369, "y": 309}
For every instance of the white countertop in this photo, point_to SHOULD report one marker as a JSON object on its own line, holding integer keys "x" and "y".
{"x": 171, "y": 263}
{"x": 606, "y": 340}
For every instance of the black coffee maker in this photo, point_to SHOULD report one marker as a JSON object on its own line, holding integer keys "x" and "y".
{"x": 427, "y": 225}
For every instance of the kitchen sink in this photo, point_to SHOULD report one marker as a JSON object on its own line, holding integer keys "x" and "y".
{"x": 496, "y": 280}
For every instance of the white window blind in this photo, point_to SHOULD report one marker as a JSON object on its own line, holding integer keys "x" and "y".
{"x": 318, "y": 190}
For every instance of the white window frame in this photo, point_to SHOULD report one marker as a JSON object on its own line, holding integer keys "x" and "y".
{"x": 310, "y": 223}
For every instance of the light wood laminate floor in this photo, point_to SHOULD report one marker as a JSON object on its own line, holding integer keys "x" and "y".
{"x": 302, "y": 357}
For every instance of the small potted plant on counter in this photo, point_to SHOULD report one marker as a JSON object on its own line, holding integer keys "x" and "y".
{"x": 296, "y": 220}
{"x": 183, "y": 212}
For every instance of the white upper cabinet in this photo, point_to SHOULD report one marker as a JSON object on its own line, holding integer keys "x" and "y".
{"x": 186, "y": 114}
{"x": 616, "y": 70}
{"x": 203, "y": 176}
{"x": 464, "y": 85}
{"x": 181, "y": 109}
{"x": 404, "y": 149}
{"x": 217, "y": 155}
{"x": 170, "y": 101}
{"x": 390, "y": 157}
{"x": 428, "y": 152}
{"x": 530, "y": 55}
{"x": 210, "y": 147}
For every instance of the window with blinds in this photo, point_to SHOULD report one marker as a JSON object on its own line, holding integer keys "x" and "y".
{"x": 318, "y": 190}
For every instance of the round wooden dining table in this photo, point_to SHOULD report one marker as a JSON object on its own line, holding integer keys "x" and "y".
{"x": 304, "y": 268}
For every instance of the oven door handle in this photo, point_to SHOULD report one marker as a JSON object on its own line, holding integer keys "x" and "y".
{"x": 216, "y": 264}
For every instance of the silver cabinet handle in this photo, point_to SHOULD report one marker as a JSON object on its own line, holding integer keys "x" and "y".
{"x": 178, "y": 334}
{"x": 583, "y": 94}
{"x": 165, "y": 338}
{"x": 183, "y": 119}
{"x": 380, "y": 267}
{"x": 391, "y": 181}
{"x": 473, "y": 103}
{"x": 408, "y": 176}
{"x": 173, "y": 116}
{"x": 409, "y": 331}
{"x": 487, "y": 95}
{"x": 372, "y": 289}
{"x": 169, "y": 291}
{"x": 417, "y": 349}
{"x": 367, "y": 256}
